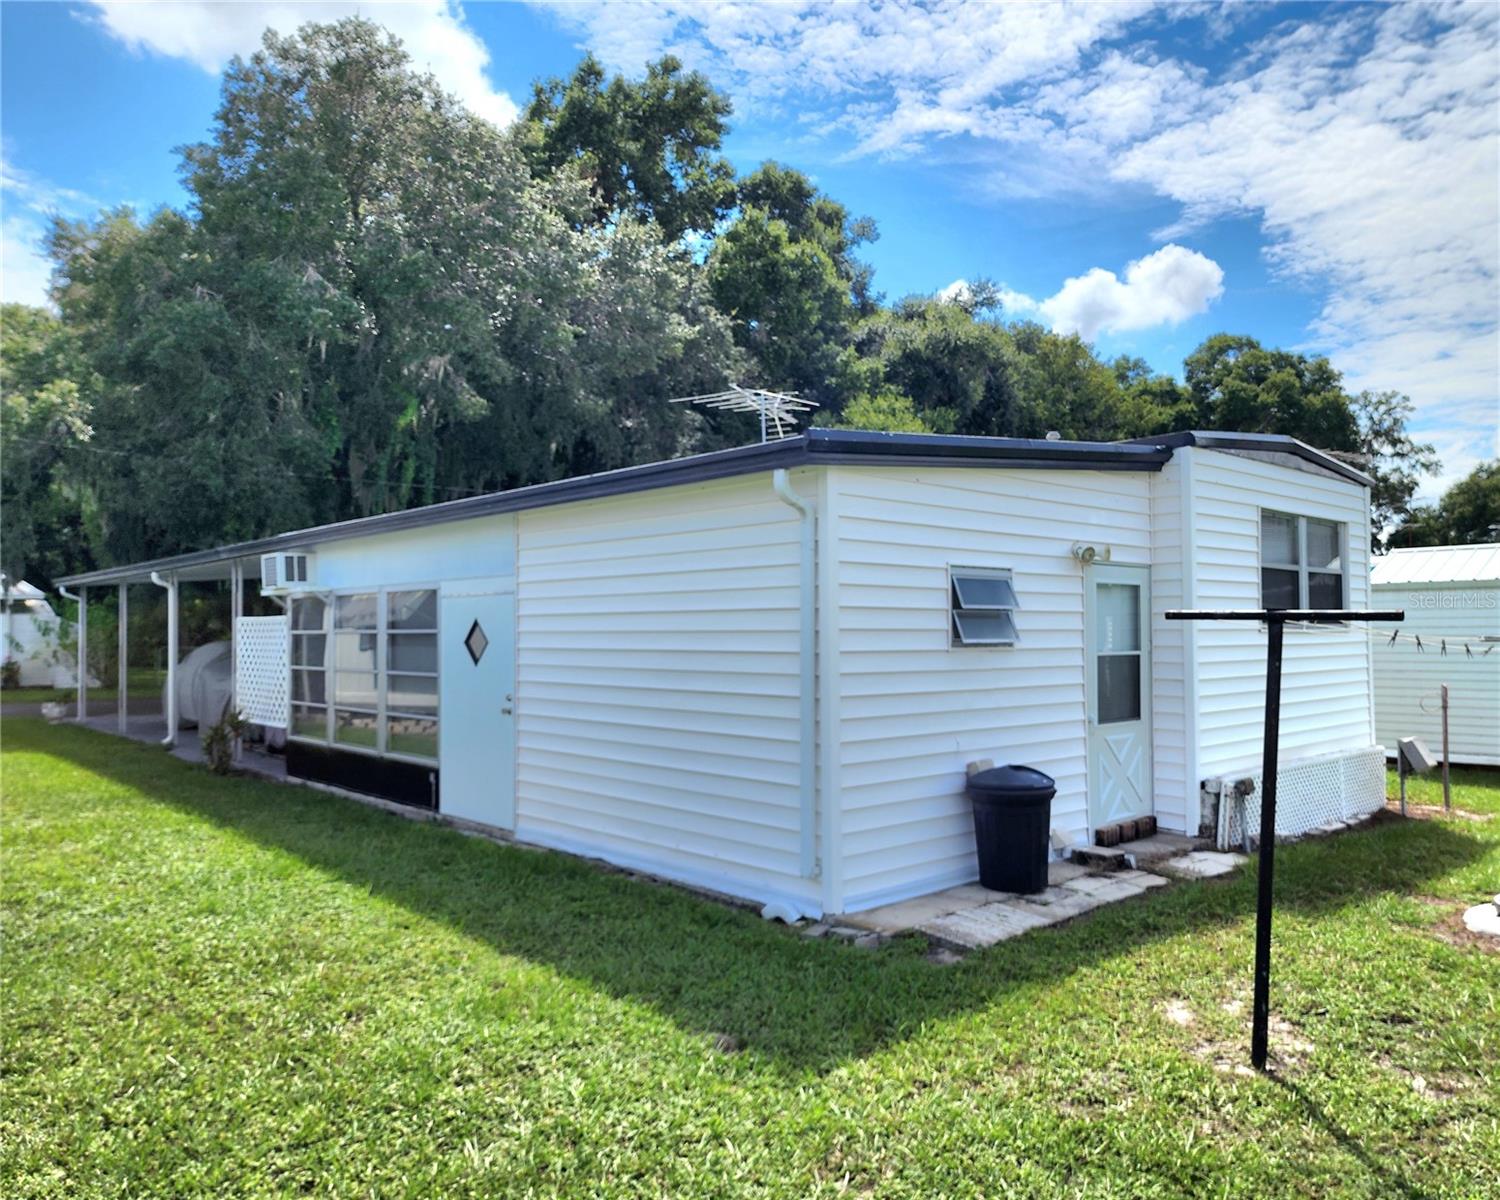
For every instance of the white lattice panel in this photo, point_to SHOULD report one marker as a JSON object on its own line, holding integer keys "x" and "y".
{"x": 261, "y": 670}
{"x": 1309, "y": 793}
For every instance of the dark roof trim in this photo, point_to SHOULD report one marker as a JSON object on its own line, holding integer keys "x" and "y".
{"x": 1261, "y": 443}
{"x": 816, "y": 447}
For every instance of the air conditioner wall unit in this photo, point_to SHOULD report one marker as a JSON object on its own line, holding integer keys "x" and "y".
{"x": 285, "y": 572}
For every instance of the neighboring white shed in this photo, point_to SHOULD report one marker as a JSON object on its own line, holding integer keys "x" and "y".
{"x": 1451, "y": 636}
{"x": 763, "y": 671}
{"x": 29, "y": 633}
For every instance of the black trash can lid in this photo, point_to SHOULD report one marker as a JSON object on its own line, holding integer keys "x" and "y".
{"x": 1011, "y": 779}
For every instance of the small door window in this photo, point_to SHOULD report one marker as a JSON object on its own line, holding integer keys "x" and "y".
{"x": 1117, "y": 651}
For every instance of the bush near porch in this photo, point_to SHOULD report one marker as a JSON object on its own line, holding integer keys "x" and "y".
{"x": 227, "y": 987}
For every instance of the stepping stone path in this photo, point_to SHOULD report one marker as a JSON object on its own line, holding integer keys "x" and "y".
{"x": 973, "y": 928}
{"x": 1484, "y": 918}
{"x": 1202, "y": 864}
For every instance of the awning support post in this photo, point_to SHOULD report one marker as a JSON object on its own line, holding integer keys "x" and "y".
{"x": 83, "y": 651}
{"x": 236, "y": 611}
{"x": 170, "y": 584}
{"x": 122, "y": 670}
{"x": 1274, "y": 620}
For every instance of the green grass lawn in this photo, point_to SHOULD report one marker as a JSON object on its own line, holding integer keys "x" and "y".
{"x": 222, "y": 987}
{"x": 139, "y": 683}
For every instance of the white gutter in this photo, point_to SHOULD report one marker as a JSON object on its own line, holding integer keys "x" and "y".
{"x": 83, "y": 637}
{"x": 171, "y": 586}
{"x": 807, "y": 649}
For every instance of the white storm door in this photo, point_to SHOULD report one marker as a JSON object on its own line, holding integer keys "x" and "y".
{"x": 1117, "y": 616}
{"x": 478, "y": 724}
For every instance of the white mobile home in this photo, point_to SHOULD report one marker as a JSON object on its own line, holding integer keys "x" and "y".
{"x": 764, "y": 670}
{"x": 1451, "y": 636}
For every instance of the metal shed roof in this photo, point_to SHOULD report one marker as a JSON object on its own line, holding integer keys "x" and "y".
{"x": 1479, "y": 563}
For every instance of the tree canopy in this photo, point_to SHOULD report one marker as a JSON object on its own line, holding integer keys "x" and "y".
{"x": 375, "y": 299}
{"x": 1469, "y": 512}
{"x": 647, "y": 148}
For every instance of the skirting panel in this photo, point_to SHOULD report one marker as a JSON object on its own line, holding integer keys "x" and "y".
{"x": 1310, "y": 793}
{"x": 390, "y": 779}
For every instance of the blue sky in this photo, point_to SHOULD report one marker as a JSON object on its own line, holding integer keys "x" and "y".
{"x": 1323, "y": 177}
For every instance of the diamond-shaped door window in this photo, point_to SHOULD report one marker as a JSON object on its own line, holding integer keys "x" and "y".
{"x": 476, "y": 643}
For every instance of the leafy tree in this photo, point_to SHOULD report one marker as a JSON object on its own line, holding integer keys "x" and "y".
{"x": 1389, "y": 455}
{"x": 1159, "y": 403}
{"x": 961, "y": 374}
{"x": 884, "y": 412}
{"x": 786, "y": 303}
{"x": 1468, "y": 513}
{"x": 1238, "y": 385}
{"x": 1063, "y": 386}
{"x": 647, "y": 148}
{"x": 787, "y": 195}
{"x": 44, "y": 431}
{"x": 371, "y": 304}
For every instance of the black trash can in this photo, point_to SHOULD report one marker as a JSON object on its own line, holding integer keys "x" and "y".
{"x": 1012, "y": 821}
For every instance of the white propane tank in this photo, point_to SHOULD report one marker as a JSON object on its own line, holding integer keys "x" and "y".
{"x": 202, "y": 685}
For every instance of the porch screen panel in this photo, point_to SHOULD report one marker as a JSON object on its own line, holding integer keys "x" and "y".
{"x": 309, "y": 666}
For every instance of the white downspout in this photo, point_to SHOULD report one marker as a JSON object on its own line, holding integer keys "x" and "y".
{"x": 807, "y": 651}
{"x": 171, "y": 586}
{"x": 83, "y": 637}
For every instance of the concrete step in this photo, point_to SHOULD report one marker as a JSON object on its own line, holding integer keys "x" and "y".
{"x": 1101, "y": 858}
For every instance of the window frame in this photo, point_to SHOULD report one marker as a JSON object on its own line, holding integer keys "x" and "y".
{"x": 956, "y": 640}
{"x": 383, "y": 712}
{"x": 1301, "y": 567}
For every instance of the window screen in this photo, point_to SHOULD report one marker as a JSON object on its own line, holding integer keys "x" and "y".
{"x": 365, "y": 671}
{"x": 983, "y": 604}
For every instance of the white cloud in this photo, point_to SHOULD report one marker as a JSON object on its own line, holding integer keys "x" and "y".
{"x": 1164, "y": 288}
{"x": 208, "y": 33}
{"x": 27, "y": 204}
{"x": 1364, "y": 140}
{"x": 24, "y": 271}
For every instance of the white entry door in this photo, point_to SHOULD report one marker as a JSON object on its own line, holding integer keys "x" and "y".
{"x": 478, "y": 760}
{"x": 1117, "y": 615}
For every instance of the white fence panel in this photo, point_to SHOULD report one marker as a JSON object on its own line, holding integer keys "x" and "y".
{"x": 262, "y": 672}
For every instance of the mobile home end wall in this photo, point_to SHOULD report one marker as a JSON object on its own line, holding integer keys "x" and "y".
{"x": 1326, "y": 704}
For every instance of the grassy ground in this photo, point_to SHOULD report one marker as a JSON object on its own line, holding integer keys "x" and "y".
{"x": 141, "y": 682}
{"x": 224, "y": 987}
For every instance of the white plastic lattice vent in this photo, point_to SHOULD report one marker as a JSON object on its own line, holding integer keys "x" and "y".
{"x": 1309, "y": 792}
{"x": 261, "y": 671}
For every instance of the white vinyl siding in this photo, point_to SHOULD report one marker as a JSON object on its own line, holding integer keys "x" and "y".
{"x": 1175, "y": 784}
{"x": 1325, "y": 698}
{"x": 657, "y": 695}
{"x": 913, "y": 710}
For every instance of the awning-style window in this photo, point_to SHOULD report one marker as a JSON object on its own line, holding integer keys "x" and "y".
{"x": 983, "y": 605}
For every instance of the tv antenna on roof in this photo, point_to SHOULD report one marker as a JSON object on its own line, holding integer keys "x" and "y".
{"x": 778, "y": 410}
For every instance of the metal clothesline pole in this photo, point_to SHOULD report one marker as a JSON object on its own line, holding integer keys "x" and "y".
{"x": 1275, "y": 620}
